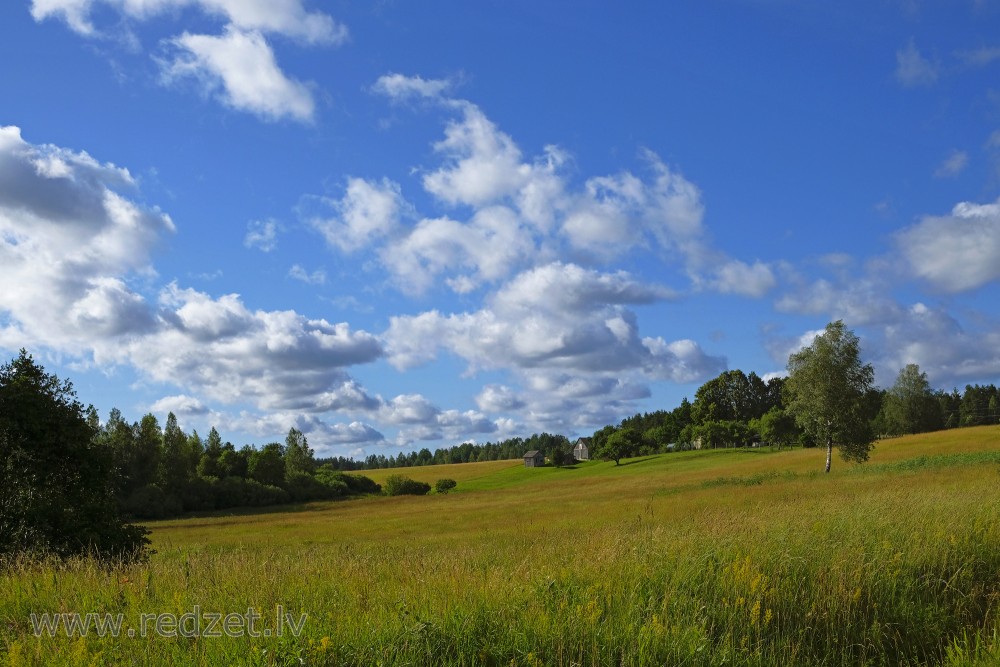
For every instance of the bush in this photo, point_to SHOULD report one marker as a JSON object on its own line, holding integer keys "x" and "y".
{"x": 303, "y": 487}
{"x": 150, "y": 502}
{"x": 398, "y": 485}
{"x": 359, "y": 484}
{"x": 445, "y": 485}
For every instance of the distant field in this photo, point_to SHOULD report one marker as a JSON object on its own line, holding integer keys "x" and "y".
{"x": 746, "y": 557}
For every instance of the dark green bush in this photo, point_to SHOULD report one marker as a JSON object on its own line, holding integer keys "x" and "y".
{"x": 398, "y": 485}
{"x": 445, "y": 485}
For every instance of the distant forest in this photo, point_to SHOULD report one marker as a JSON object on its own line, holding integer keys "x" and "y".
{"x": 159, "y": 471}
{"x": 163, "y": 471}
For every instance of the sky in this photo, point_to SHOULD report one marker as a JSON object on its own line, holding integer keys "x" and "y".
{"x": 395, "y": 225}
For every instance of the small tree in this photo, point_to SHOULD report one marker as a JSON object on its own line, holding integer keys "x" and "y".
{"x": 826, "y": 390}
{"x": 776, "y": 427}
{"x": 445, "y": 485}
{"x": 299, "y": 456}
{"x": 619, "y": 445}
{"x": 559, "y": 456}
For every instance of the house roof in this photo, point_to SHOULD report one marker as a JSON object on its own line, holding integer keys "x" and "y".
{"x": 532, "y": 454}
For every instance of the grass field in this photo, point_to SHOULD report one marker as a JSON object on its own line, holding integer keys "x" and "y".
{"x": 696, "y": 558}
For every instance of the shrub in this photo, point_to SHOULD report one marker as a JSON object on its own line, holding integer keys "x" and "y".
{"x": 150, "y": 502}
{"x": 445, "y": 485}
{"x": 360, "y": 484}
{"x": 398, "y": 485}
{"x": 303, "y": 487}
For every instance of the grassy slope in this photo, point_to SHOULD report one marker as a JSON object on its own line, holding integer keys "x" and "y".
{"x": 752, "y": 557}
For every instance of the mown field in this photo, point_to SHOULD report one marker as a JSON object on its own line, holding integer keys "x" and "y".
{"x": 697, "y": 558}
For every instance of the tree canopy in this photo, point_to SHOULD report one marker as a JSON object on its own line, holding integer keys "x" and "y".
{"x": 57, "y": 480}
{"x": 827, "y": 391}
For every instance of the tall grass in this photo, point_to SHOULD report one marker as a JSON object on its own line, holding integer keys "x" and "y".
{"x": 695, "y": 559}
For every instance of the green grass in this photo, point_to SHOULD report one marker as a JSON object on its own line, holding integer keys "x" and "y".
{"x": 694, "y": 558}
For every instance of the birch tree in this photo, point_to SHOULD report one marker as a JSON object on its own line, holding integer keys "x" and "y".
{"x": 825, "y": 393}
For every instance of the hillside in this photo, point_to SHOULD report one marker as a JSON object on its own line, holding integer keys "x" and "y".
{"x": 750, "y": 557}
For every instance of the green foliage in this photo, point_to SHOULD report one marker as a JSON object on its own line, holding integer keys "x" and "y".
{"x": 734, "y": 396}
{"x": 399, "y": 485}
{"x": 621, "y": 444}
{"x": 298, "y": 455}
{"x": 58, "y": 492}
{"x": 910, "y": 406}
{"x": 826, "y": 391}
{"x": 727, "y": 433}
{"x": 267, "y": 466}
{"x": 776, "y": 428}
{"x": 561, "y": 455}
{"x": 445, "y": 485}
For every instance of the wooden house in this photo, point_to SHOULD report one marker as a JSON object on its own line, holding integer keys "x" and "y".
{"x": 534, "y": 459}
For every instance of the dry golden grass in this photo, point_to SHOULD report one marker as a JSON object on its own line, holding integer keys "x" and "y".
{"x": 700, "y": 558}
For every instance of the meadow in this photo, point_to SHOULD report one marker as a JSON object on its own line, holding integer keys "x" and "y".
{"x": 736, "y": 557}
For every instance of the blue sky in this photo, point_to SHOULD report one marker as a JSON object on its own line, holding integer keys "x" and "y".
{"x": 396, "y": 225}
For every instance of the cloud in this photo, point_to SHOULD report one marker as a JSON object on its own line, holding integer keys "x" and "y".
{"x": 237, "y": 66}
{"x": 317, "y": 277}
{"x": 859, "y": 301}
{"x": 498, "y": 398}
{"x": 367, "y": 212}
{"x": 956, "y": 252}
{"x": 399, "y": 87}
{"x": 953, "y": 165}
{"x": 72, "y": 241}
{"x": 736, "y": 277}
{"x": 980, "y": 57}
{"x": 565, "y": 334}
{"x": 505, "y": 213}
{"x": 484, "y": 250}
{"x": 556, "y": 316}
{"x": 933, "y": 339}
{"x": 681, "y": 361}
{"x": 913, "y": 69}
{"x": 353, "y": 433}
{"x": 262, "y": 234}
{"x": 409, "y": 409}
{"x": 274, "y": 359}
{"x": 79, "y": 250}
{"x": 283, "y": 17}
{"x": 181, "y": 405}
{"x": 240, "y": 69}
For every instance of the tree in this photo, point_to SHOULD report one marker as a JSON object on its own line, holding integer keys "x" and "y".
{"x": 826, "y": 390}
{"x": 209, "y": 466}
{"x": 619, "y": 445}
{"x": 560, "y": 455}
{"x": 910, "y": 406}
{"x": 175, "y": 459}
{"x": 267, "y": 466}
{"x": 57, "y": 496}
{"x": 298, "y": 455}
{"x": 776, "y": 427}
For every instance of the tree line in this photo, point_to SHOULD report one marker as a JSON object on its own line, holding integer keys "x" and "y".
{"x": 467, "y": 452}
{"x": 827, "y": 396}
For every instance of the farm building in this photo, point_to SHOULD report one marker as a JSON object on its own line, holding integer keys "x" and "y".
{"x": 581, "y": 450}
{"x": 534, "y": 459}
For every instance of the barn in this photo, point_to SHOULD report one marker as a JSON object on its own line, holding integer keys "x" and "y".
{"x": 534, "y": 459}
